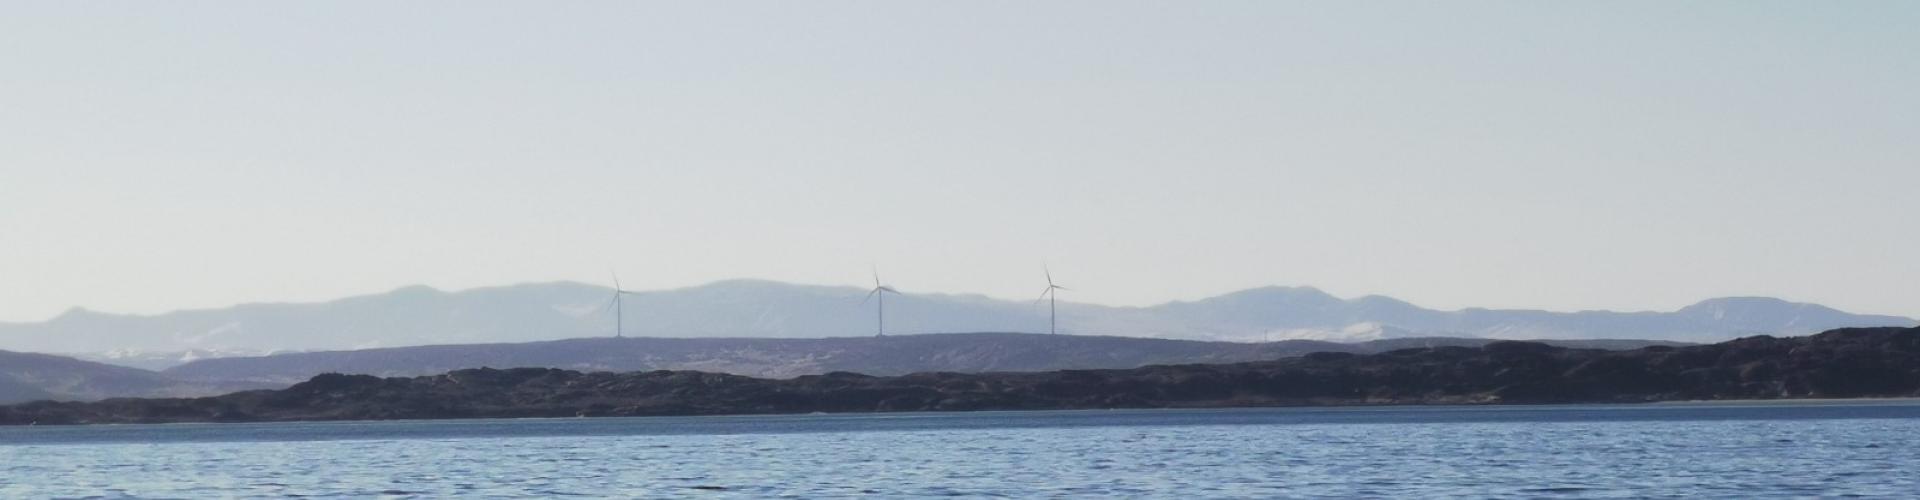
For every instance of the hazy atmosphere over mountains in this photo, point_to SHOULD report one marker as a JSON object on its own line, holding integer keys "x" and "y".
{"x": 1663, "y": 237}
{"x": 752, "y": 308}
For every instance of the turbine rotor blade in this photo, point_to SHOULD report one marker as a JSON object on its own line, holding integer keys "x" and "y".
{"x": 888, "y": 289}
{"x": 870, "y": 295}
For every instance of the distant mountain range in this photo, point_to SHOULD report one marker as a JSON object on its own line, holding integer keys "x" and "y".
{"x": 786, "y": 358}
{"x": 761, "y": 309}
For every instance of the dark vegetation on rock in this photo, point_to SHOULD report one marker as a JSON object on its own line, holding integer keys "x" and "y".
{"x": 1846, "y": 363}
{"x": 28, "y": 377}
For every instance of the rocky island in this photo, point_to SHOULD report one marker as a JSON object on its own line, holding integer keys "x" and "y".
{"x": 1844, "y": 363}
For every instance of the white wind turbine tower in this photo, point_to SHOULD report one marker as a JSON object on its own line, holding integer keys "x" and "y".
{"x": 619, "y": 312}
{"x": 1053, "y": 315}
{"x": 880, "y": 292}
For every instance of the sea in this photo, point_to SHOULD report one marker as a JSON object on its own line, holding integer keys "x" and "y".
{"x": 1715, "y": 450}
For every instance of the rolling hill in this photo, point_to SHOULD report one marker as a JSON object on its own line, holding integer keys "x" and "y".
{"x": 29, "y": 376}
{"x": 760, "y": 309}
{"x": 786, "y": 358}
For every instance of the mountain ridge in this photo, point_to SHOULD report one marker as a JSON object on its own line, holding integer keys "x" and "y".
{"x": 421, "y": 315}
{"x": 34, "y": 376}
{"x": 786, "y": 358}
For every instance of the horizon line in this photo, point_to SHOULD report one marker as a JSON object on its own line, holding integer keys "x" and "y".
{"x": 1308, "y": 288}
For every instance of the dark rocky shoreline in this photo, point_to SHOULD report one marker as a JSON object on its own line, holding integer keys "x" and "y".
{"x": 1845, "y": 363}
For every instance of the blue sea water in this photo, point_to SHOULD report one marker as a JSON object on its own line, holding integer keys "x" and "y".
{"x": 1868, "y": 448}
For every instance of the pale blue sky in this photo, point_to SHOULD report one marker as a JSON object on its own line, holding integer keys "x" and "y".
{"x": 1619, "y": 155}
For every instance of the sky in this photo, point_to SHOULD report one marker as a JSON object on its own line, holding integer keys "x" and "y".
{"x": 1557, "y": 155}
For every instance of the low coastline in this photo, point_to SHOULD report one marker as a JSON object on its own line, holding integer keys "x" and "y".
{"x": 1845, "y": 364}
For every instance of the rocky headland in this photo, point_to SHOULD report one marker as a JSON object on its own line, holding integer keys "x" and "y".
{"x": 1844, "y": 363}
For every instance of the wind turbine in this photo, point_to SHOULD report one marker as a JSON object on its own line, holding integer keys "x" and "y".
{"x": 1053, "y": 315}
{"x": 619, "y": 313}
{"x": 880, "y": 292}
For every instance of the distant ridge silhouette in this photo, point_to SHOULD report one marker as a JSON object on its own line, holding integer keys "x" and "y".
{"x": 785, "y": 358}
{"x": 419, "y": 315}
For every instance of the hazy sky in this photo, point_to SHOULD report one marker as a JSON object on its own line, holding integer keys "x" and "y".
{"x": 164, "y": 155}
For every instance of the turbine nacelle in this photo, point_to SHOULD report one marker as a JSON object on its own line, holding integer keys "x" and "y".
{"x": 877, "y": 291}
{"x": 1051, "y": 287}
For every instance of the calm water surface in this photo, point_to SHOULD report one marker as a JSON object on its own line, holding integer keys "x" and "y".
{"x": 1714, "y": 450}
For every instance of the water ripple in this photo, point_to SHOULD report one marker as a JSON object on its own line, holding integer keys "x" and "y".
{"x": 1257, "y": 453}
